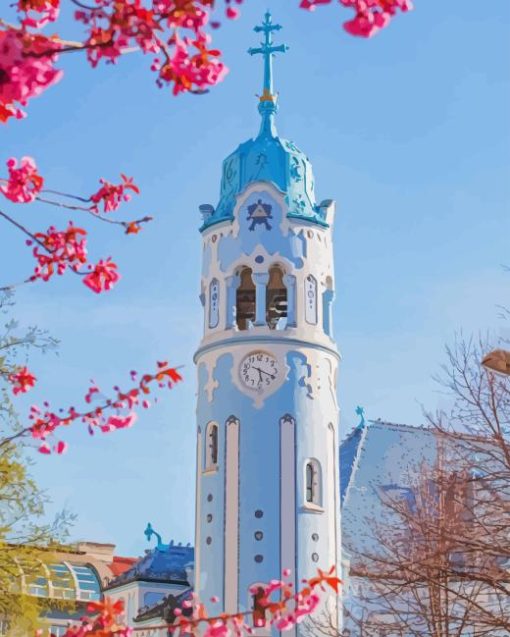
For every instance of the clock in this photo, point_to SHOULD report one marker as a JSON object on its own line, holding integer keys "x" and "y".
{"x": 259, "y": 371}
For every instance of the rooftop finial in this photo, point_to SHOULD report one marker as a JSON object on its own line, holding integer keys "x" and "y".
{"x": 267, "y": 104}
{"x": 149, "y": 532}
{"x": 361, "y": 413}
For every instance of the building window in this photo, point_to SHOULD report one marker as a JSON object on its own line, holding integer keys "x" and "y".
{"x": 88, "y": 582}
{"x": 214, "y": 303}
{"x": 311, "y": 300}
{"x": 259, "y": 608}
{"x": 211, "y": 451}
{"x": 313, "y": 488}
{"x": 245, "y": 300}
{"x": 327, "y": 303}
{"x": 276, "y": 299}
{"x": 152, "y": 597}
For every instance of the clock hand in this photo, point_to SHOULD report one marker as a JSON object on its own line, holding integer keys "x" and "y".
{"x": 264, "y": 372}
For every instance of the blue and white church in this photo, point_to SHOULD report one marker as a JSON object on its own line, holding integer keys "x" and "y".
{"x": 267, "y": 487}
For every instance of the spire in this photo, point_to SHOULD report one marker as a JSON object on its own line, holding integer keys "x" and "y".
{"x": 267, "y": 103}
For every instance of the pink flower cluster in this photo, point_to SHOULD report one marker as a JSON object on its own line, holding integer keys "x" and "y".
{"x": 26, "y": 69}
{"x": 21, "y": 380}
{"x": 48, "y": 10}
{"x": 68, "y": 249}
{"x": 103, "y": 276}
{"x": 283, "y": 613}
{"x": 112, "y": 195}
{"x": 185, "y": 60}
{"x": 371, "y": 15}
{"x": 24, "y": 182}
{"x": 104, "y": 619}
{"x": 115, "y": 26}
{"x": 109, "y": 414}
{"x": 61, "y": 249}
{"x": 191, "y": 65}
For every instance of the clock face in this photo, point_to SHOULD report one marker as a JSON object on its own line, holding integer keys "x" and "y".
{"x": 259, "y": 371}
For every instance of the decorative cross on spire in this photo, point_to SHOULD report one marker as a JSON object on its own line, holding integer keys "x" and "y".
{"x": 267, "y": 105}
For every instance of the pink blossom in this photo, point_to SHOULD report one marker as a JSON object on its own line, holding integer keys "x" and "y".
{"x": 93, "y": 389}
{"x": 60, "y": 447}
{"x": 103, "y": 276}
{"x": 21, "y": 381}
{"x": 61, "y": 249}
{"x": 26, "y": 68}
{"x": 232, "y": 13}
{"x": 119, "y": 422}
{"x": 24, "y": 183}
{"x": 112, "y": 195}
{"x": 49, "y": 10}
{"x": 371, "y": 15}
{"x": 9, "y": 110}
{"x": 217, "y": 629}
{"x": 192, "y": 66}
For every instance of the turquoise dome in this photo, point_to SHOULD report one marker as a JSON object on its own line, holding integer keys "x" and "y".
{"x": 267, "y": 158}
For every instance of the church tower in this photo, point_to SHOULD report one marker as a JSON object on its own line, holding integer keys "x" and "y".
{"x": 267, "y": 413}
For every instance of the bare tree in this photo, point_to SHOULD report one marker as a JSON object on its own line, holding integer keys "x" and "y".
{"x": 439, "y": 556}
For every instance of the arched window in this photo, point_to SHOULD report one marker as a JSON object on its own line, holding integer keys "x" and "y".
{"x": 327, "y": 301}
{"x": 311, "y": 300}
{"x": 245, "y": 300}
{"x": 259, "y": 608}
{"x": 211, "y": 450}
{"x": 276, "y": 298}
{"x": 313, "y": 482}
{"x": 214, "y": 303}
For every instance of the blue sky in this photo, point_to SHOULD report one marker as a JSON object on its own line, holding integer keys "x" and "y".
{"x": 408, "y": 132}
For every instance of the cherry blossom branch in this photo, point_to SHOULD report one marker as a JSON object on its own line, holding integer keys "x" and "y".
{"x": 282, "y": 615}
{"x": 22, "y": 229}
{"x": 67, "y": 249}
{"x": 177, "y": 30}
{"x": 45, "y": 422}
{"x": 68, "y": 252}
{"x": 131, "y": 227}
{"x": 84, "y": 6}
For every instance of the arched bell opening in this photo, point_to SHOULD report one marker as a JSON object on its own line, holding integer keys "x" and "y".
{"x": 276, "y": 299}
{"x": 245, "y": 300}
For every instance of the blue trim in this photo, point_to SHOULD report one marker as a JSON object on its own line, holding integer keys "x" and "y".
{"x": 209, "y": 224}
{"x": 320, "y": 222}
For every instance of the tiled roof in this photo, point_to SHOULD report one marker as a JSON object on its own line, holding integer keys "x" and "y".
{"x": 167, "y": 565}
{"x": 121, "y": 564}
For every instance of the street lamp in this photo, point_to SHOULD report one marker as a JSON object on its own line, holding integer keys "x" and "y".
{"x": 497, "y": 361}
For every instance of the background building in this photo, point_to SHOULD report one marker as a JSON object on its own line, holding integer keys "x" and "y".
{"x": 76, "y": 575}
